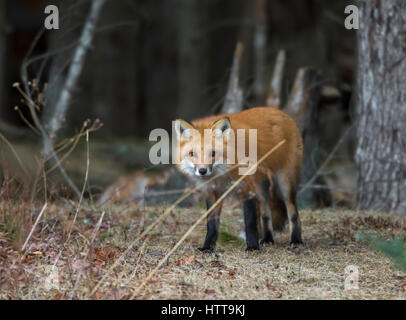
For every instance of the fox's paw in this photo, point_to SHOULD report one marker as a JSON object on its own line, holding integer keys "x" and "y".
{"x": 266, "y": 241}
{"x": 206, "y": 249}
{"x": 296, "y": 243}
{"x": 252, "y": 248}
{"x": 296, "y": 237}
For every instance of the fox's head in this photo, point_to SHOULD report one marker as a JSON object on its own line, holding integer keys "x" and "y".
{"x": 201, "y": 148}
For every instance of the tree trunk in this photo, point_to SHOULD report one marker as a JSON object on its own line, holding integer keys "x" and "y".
{"x": 55, "y": 113}
{"x": 65, "y": 38}
{"x": 111, "y": 71}
{"x": 193, "y": 64}
{"x": 381, "y": 110}
{"x": 303, "y": 106}
{"x": 2, "y": 53}
{"x": 234, "y": 99}
{"x": 58, "y": 112}
{"x": 260, "y": 40}
{"x": 158, "y": 88}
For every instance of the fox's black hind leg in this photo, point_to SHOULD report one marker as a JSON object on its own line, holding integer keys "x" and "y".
{"x": 267, "y": 233}
{"x": 251, "y": 224}
{"x": 288, "y": 191}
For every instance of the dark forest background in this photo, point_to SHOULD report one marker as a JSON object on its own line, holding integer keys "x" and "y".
{"x": 151, "y": 62}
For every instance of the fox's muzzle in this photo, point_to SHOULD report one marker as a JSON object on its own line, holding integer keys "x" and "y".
{"x": 203, "y": 171}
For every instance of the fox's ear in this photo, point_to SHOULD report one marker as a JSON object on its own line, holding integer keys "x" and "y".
{"x": 183, "y": 129}
{"x": 222, "y": 127}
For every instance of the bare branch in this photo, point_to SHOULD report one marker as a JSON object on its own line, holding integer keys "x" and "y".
{"x": 304, "y": 97}
{"x": 275, "y": 89}
{"x": 235, "y": 97}
{"x": 75, "y": 69}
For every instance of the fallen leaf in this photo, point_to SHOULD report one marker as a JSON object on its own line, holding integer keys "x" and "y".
{"x": 276, "y": 290}
{"x": 188, "y": 261}
{"x": 296, "y": 250}
{"x": 97, "y": 269}
{"x": 4, "y": 286}
{"x": 269, "y": 286}
{"x": 59, "y": 296}
{"x": 174, "y": 226}
{"x": 98, "y": 295}
{"x": 217, "y": 264}
{"x": 79, "y": 264}
{"x": 106, "y": 253}
{"x": 210, "y": 292}
{"x": 116, "y": 294}
{"x": 155, "y": 279}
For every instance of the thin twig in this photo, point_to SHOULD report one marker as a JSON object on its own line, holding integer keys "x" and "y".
{"x": 325, "y": 187}
{"x": 80, "y": 199}
{"x": 327, "y": 161}
{"x": 15, "y": 153}
{"x": 34, "y": 226}
{"x": 153, "y": 194}
{"x": 93, "y": 237}
{"x": 28, "y": 123}
{"x": 32, "y": 106}
{"x": 40, "y": 168}
{"x": 299, "y": 278}
{"x": 84, "y": 185}
{"x": 74, "y": 141}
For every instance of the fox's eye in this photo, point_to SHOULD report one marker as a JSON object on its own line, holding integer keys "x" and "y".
{"x": 192, "y": 154}
{"x": 213, "y": 154}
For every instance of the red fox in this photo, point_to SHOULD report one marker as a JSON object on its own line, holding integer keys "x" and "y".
{"x": 270, "y": 192}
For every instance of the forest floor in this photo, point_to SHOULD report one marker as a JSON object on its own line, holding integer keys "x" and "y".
{"x": 59, "y": 264}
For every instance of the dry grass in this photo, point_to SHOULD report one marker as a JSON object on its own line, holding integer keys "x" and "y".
{"x": 314, "y": 271}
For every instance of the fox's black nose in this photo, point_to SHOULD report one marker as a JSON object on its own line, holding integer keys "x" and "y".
{"x": 203, "y": 171}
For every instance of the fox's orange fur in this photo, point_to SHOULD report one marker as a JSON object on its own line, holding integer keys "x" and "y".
{"x": 277, "y": 177}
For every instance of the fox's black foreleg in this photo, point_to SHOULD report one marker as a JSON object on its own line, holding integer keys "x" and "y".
{"x": 213, "y": 222}
{"x": 251, "y": 223}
